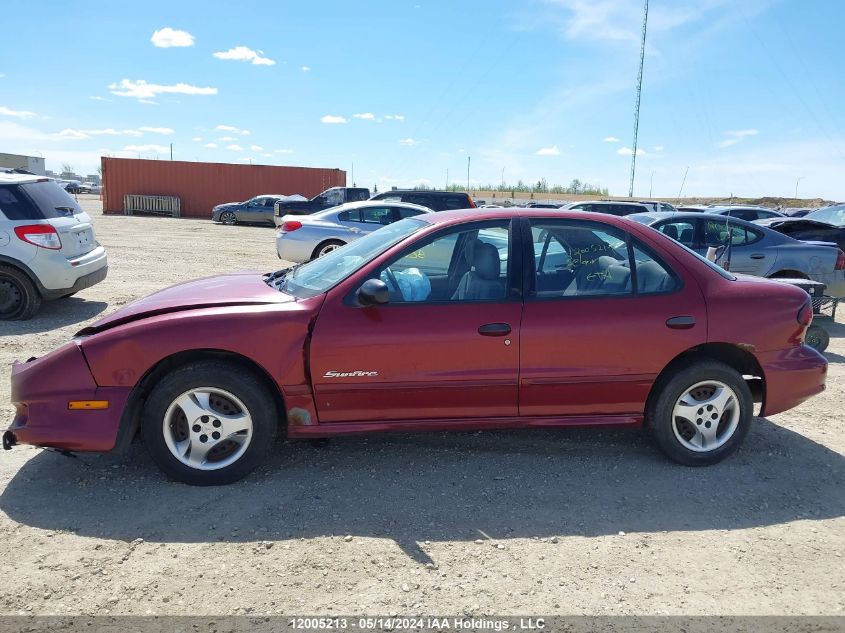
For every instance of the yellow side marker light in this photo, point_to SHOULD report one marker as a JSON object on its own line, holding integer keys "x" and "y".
{"x": 87, "y": 404}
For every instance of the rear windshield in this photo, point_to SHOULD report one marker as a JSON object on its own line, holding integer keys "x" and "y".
{"x": 36, "y": 201}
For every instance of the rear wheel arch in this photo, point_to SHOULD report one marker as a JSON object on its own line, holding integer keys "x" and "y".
{"x": 130, "y": 420}
{"x": 788, "y": 274}
{"x": 337, "y": 243}
{"x": 731, "y": 354}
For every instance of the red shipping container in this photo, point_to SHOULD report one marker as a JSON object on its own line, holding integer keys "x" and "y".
{"x": 200, "y": 186}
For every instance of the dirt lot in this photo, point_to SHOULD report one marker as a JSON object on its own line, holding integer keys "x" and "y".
{"x": 504, "y": 522}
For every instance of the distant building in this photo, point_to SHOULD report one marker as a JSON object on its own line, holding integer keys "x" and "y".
{"x": 33, "y": 164}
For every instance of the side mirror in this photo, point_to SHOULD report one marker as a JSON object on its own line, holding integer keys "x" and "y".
{"x": 373, "y": 292}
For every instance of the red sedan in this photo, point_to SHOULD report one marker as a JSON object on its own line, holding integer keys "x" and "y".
{"x": 498, "y": 318}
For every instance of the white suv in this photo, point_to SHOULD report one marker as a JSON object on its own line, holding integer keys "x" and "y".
{"x": 47, "y": 245}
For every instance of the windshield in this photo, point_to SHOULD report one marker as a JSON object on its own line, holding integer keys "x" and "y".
{"x": 831, "y": 215}
{"x": 320, "y": 275}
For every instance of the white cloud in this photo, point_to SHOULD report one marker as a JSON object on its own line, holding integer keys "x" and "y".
{"x": 233, "y": 129}
{"x": 394, "y": 117}
{"x": 283, "y": 151}
{"x": 147, "y": 149}
{"x": 197, "y": 139}
{"x": 736, "y": 136}
{"x": 245, "y": 54}
{"x": 367, "y": 116}
{"x": 332, "y": 118}
{"x": 140, "y": 89}
{"x": 305, "y": 69}
{"x": 658, "y": 148}
{"x": 627, "y": 151}
{"x": 210, "y": 145}
{"x": 548, "y": 151}
{"x": 169, "y": 38}
{"x": 267, "y": 155}
{"x": 156, "y": 130}
{"x": 256, "y": 148}
{"x": 227, "y": 138}
{"x": 235, "y": 148}
{"x": 82, "y": 134}
{"x": 148, "y": 101}
{"x": 98, "y": 98}
{"x": 611, "y": 139}
{"x": 409, "y": 142}
{"x": 21, "y": 114}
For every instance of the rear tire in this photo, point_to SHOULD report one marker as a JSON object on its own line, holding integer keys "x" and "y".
{"x": 326, "y": 247}
{"x": 700, "y": 413}
{"x": 19, "y": 298}
{"x": 209, "y": 423}
{"x": 817, "y": 338}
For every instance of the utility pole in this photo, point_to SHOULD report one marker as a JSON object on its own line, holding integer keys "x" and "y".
{"x": 171, "y": 151}
{"x": 683, "y": 182}
{"x": 468, "y": 159}
{"x": 800, "y": 178}
{"x": 503, "y": 177}
{"x": 352, "y": 178}
{"x": 447, "y": 178}
{"x": 650, "y": 183}
{"x": 637, "y": 106}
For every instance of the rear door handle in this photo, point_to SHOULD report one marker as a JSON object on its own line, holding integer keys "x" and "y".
{"x": 494, "y": 329}
{"x": 680, "y": 322}
{"x": 757, "y": 256}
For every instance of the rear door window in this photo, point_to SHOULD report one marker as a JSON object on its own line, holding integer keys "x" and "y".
{"x": 376, "y": 215}
{"x": 681, "y": 231}
{"x": 36, "y": 201}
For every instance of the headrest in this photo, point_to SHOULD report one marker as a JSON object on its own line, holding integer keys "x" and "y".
{"x": 486, "y": 261}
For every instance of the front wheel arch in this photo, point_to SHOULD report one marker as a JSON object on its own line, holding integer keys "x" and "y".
{"x": 130, "y": 420}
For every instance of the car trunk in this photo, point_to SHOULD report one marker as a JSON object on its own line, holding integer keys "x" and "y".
{"x": 76, "y": 233}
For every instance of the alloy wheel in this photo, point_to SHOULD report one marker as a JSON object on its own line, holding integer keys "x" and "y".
{"x": 706, "y": 416}
{"x": 207, "y": 428}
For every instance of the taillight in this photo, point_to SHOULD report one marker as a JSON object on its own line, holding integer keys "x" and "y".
{"x": 291, "y": 225}
{"x": 840, "y": 260}
{"x": 41, "y": 235}
{"x": 805, "y": 314}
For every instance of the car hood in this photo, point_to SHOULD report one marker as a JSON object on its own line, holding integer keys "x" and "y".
{"x": 234, "y": 289}
{"x": 225, "y": 205}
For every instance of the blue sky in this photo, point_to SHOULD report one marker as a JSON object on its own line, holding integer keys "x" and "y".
{"x": 747, "y": 94}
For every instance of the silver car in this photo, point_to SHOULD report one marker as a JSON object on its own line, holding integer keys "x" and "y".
{"x": 300, "y": 238}
{"x": 47, "y": 245}
{"x": 754, "y": 249}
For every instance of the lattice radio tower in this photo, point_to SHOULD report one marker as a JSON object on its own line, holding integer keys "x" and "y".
{"x": 637, "y": 106}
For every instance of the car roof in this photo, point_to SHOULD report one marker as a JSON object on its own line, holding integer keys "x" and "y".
{"x": 453, "y": 216}
{"x": 425, "y": 192}
{"x": 686, "y": 215}
{"x": 363, "y": 204}
{"x": 18, "y": 179}
{"x": 626, "y": 202}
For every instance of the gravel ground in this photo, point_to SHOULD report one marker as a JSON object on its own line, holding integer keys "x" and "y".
{"x": 572, "y": 522}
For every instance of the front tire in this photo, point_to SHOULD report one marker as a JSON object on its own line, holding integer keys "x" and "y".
{"x": 19, "y": 298}
{"x": 817, "y": 337}
{"x": 701, "y": 413}
{"x": 228, "y": 218}
{"x": 209, "y": 423}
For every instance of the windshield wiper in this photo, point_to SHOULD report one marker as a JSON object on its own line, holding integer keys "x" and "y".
{"x": 280, "y": 276}
{"x": 68, "y": 210}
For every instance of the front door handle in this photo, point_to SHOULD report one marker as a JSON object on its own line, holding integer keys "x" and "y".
{"x": 757, "y": 256}
{"x": 681, "y": 322}
{"x": 494, "y": 329}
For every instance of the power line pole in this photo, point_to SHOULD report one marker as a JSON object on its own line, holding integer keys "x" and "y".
{"x": 447, "y": 178}
{"x": 468, "y": 159}
{"x": 171, "y": 151}
{"x": 637, "y": 106}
